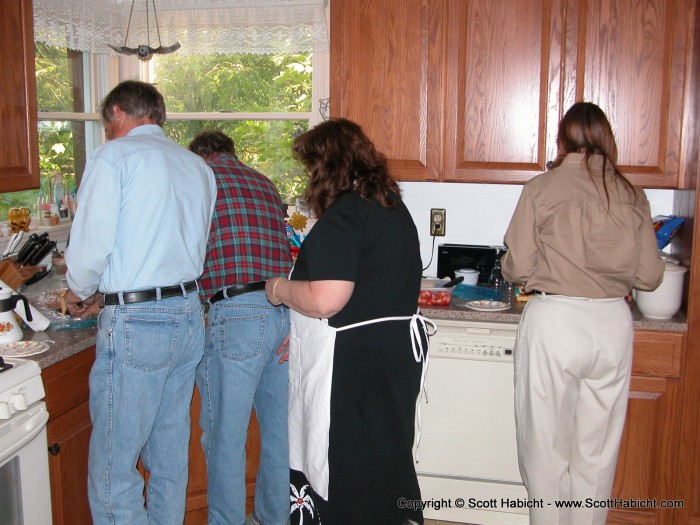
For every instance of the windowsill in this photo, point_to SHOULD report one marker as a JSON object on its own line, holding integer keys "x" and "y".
{"x": 58, "y": 233}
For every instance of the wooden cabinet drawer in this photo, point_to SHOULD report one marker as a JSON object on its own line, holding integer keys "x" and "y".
{"x": 66, "y": 383}
{"x": 658, "y": 354}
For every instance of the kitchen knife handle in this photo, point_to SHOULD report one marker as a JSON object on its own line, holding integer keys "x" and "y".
{"x": 37, "y": 276}
{"x": 24, "y": 250}
{"x": 42, "y": 252}
{"x": 38, "y": 244}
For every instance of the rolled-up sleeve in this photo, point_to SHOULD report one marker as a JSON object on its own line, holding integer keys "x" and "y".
{"x": 520, "y": 260}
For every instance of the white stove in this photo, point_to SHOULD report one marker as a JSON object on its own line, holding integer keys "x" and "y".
{"x": 25, "y": 497}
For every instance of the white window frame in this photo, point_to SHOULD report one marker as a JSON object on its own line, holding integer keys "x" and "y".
{"x": 102, "y": 72}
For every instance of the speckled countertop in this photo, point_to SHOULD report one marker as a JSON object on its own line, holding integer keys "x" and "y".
{"x": 67, "y": 339}
{"x": 63, "y": 343}
{"x": 66, "y": 342}
{"x": 675, "y": 324}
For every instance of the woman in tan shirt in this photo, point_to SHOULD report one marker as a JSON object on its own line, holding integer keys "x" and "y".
{"x": 581, "y": 236}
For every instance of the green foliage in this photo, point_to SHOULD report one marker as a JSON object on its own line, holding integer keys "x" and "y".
{"x": 242, "y": 83}
{"x": 189, "y": 83}
{"x": 54, "y": 88}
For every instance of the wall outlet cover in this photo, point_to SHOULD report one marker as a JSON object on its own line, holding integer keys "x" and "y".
{"x": 438, "y": 222}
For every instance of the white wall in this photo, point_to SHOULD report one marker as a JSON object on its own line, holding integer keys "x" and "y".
{"x": 478, "y": 213}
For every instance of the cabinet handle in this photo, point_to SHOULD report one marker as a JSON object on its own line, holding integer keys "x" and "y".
{"x": 55, "y": 449}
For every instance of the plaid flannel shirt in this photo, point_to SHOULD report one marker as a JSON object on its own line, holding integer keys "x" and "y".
{"x": 247, "y": 241}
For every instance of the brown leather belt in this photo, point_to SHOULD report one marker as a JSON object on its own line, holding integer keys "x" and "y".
{"x": 141, "y": 296}
{"x": 237, "y": 289}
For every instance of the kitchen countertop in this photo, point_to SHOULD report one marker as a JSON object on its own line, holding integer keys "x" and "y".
{"x": 68, "y": 339}
{"x": 65, "y": 336}
{"x": 63, "y": 343}
{"x": 677, "y": 323}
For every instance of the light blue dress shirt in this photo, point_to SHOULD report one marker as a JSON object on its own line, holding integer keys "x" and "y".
{"x": 143, "y": 217}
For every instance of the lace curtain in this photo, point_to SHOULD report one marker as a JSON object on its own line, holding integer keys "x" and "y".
{"x": 200, "y": 26}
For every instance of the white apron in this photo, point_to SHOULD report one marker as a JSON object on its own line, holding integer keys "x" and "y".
{"x": 311, "y": 349}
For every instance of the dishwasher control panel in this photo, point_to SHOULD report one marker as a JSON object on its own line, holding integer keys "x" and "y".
{"x": 471, "y": 350}
{"x": 473, "y": 340}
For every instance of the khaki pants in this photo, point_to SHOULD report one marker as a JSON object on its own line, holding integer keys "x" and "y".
{"x": 573, "y": 359}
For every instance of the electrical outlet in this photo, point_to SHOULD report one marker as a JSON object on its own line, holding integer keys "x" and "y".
{"x": 438, "y": 218}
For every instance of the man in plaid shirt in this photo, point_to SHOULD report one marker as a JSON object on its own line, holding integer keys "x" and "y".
{"x": 240, "y": 369}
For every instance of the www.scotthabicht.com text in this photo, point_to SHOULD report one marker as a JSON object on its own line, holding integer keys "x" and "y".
{"x": 515, "y": 503}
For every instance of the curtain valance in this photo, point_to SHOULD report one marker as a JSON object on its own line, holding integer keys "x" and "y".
{"x": 200, "y": 26}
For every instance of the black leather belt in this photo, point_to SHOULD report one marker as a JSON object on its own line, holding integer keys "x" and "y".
{"x": 238, "y": 289}
{"x": 141, "y": 296}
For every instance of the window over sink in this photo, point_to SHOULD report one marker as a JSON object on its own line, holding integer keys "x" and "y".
{"x": 262, "y": 100}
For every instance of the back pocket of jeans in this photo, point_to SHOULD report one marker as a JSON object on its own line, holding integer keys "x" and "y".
{"x": 240, "y": 338}
{"x": 150, "y": 343}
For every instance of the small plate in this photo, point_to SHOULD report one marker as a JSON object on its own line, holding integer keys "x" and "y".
{"x": 23, "y": 348}
{"x": 488, "y": 306}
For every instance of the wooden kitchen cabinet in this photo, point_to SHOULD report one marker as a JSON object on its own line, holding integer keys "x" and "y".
{"x": 68, "y": 433}
{"x": 648, "y": 456}
{"x": 386, "y": 75}
{"x": 631, "y": 58}
{"x": 473, "y": 90}
{"x": 19, "y": 143}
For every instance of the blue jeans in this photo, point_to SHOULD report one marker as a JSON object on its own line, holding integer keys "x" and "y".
{"x": 140, "y": 394}
{"x": 241, "y": 371}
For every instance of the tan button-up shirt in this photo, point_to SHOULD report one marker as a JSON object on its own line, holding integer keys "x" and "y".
{"x": 565, "y": 239}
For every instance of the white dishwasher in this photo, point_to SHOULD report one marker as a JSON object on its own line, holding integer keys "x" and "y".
{"x": 467, "y": 459}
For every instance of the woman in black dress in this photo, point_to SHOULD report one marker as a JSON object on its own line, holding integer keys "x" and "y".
{"x": 357, "y": 346}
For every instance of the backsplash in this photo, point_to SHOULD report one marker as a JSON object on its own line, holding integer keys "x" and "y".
{"x": 478, "y": 213}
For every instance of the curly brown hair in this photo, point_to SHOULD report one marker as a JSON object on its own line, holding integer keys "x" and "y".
{"x": 340, "y": 158}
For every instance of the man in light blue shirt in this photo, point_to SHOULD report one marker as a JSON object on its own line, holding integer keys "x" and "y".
{"x": 137, "y": 247}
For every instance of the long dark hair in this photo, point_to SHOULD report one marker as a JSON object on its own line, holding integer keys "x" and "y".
{"x": 340, "y": 158}
{"x": 585, "y": 129}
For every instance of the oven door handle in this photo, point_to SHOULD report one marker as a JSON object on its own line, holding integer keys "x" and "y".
{"x": 28, "y": 426}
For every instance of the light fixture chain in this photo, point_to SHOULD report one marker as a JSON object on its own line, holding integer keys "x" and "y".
{"x": 155, "y": 16}
{"x": 148, "y": 25}
{"x": 128, "y": 25}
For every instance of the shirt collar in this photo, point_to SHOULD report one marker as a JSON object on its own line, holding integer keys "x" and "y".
{"x": 146, "y": 129}
{"x": 595, "y": 161}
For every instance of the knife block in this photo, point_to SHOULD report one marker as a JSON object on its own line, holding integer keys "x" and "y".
{"x": 15, "y": 275}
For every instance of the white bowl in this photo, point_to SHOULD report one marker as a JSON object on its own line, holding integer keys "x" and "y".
{"x": 470, "y": 275}
{"x": 665, "y": 301}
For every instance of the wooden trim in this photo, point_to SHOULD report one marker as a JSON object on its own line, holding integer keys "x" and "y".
{"x": 688, "y": 471}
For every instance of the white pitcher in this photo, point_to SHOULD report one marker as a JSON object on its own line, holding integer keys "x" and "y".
{"x": 10, "y": 330}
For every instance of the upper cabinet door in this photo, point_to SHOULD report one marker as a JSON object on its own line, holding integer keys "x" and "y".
{"x": 503, "y": 69}
{"x": 19, "y": 153}
{"x": 473, "y": 90}
{"x": 386, "y": 76}
{"x": 629, "y": 57}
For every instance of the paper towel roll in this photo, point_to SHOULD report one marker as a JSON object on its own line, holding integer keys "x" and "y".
{"x": 39, "y": 321}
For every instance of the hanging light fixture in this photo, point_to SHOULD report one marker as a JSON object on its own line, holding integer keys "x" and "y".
{"x": 145, "y": 51}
